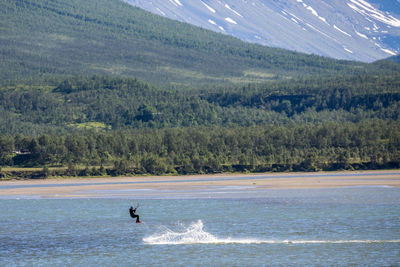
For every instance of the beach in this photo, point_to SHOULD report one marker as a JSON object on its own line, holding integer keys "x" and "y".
{"x": 142, "y": 185}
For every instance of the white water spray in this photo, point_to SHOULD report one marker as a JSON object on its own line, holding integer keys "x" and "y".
{"x": 191, "y": 235}
{"x": 195, "y": 234}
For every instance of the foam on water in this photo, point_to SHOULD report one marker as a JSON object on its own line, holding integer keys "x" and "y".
{"x": 195, "y": 234}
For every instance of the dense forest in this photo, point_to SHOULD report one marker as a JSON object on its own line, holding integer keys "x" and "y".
{"x": 97, "y": 87}
{"x": 125, "y": 126}
{"x": 117, "y": 103}
{"x": 327, "y": 146}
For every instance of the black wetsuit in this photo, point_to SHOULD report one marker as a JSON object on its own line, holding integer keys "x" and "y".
{"x": 133, "y": 215}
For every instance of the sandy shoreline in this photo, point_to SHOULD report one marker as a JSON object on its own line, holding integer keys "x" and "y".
{"x": 90, "y": 187}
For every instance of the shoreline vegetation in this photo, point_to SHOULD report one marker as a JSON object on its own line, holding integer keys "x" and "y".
{"x": 369, "y": 145}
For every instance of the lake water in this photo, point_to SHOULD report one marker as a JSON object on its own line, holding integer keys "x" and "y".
{"x": 225, "y": 226}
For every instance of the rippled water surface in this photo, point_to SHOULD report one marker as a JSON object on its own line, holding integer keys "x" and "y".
{"x": 359, "y": 226}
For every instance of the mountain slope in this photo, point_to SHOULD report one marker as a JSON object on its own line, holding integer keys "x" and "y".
{"x": 395, "y": 59}
{"x": 350, "y": 29}
{"x": 42, "y": 39}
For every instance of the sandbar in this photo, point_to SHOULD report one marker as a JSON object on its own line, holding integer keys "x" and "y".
{"x": 142, "y": 185}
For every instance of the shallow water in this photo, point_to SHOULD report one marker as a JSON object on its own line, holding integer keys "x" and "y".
{"x": 222, "y": 227}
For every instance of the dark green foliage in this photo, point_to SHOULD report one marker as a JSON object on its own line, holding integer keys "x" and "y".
{"x": 328, "y": 146}
{"x": 6, "y": 150}
{"x": 366, "y": 96}
{"x": 297, "y": 125}
{"x": 104, "y": 103}
{"x": 46, "y": 172}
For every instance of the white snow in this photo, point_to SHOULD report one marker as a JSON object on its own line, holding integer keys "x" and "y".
{"x": 365, "y": 3}
{"x": 234, "y": 11}
{"x": 212, "y": 22}
{"x": 179, "y": 3}
{"x": 337, "y": 28}
{"x": 176, "y": 3}
{"x": 389, "y": 52}
{"x": 313, "y": 11}
{"x": 316, "y": 14}
{"x": 361, "y": 35}
{"x": 208, "y": 7}
{"x": 366, "y": 9}
{"x": 231, "y": 21}
{"x": 348, "y": 50}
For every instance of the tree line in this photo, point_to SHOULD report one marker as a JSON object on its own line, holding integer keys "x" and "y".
{"x": 308, "y": 147}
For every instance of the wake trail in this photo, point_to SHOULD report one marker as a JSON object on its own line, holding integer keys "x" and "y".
{"x": 195, "y": 234}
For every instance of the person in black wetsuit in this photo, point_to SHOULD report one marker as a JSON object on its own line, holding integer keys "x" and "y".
{"x": 133, "y": 214}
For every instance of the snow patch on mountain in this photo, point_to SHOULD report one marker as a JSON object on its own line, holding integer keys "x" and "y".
{"x": 344, "y": 29}
{"x": 337, "y": 28}
{"x": 348, "y": 50}
{"x": 361, "y": 35}
{"x": 208, "y": 7}
{"x": 178, "y": 2}
{"x": 230, "y": 20}
{"x": 315, "y": 13}
{"x": 237, "y": 13}
{"x": 367, "y": 9}
{"x": 312, "y": 10}
{"x": 389, "y": 52}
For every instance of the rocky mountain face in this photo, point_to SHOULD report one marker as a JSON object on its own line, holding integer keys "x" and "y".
{"x": 344, "y": 29}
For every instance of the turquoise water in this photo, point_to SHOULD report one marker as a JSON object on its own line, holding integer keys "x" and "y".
{"x": 225, "y": 226}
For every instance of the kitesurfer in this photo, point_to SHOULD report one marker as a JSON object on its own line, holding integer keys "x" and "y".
{"x": 132, "y": 212}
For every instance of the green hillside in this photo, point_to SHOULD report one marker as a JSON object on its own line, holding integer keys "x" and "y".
{"x": 43, "y": 40}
